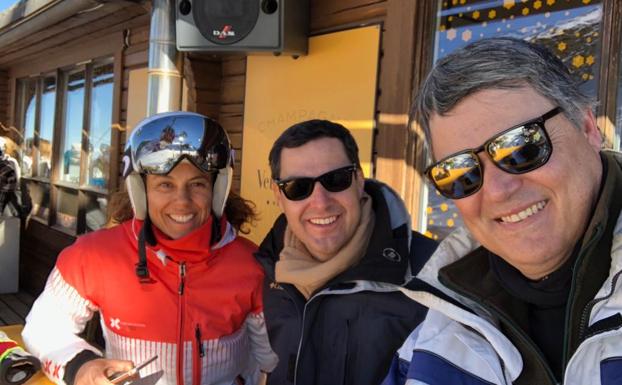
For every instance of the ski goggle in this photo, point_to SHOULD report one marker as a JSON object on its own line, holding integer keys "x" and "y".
{"x": 297, "y": 189}
{"x": 159, "y": 144}
{"x": 517, "y": 150}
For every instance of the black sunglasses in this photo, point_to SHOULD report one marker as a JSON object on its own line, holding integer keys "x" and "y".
{"x": 297, "y": 189}
{"x": 517, "y": 150}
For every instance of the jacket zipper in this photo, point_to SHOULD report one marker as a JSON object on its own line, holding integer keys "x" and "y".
{"x": 534, "y": 351}
{"x": 302, "y": 331}
{"x": 286, "y": 289}
{"x": 585, "y": 314}
{"x": 180, "y": 338}
{"x": 200, "y": 353}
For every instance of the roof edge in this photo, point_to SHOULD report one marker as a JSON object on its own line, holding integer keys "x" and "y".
{"x": 29, "y": 16}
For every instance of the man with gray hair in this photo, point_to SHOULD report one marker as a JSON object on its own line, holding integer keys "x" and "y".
{"x": 528, "y": 292}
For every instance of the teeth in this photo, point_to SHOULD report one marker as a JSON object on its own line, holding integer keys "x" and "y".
{"x": 181, "y": 218}
{"x": 524, "y": 214}
{"x": 323, "y": 221}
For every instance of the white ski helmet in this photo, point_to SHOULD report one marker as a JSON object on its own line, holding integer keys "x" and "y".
{"x": 158, "y": 143}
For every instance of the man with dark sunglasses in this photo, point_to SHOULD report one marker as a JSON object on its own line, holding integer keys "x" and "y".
{"x": 334, "y": 263}
{"x": 530, "y": 288}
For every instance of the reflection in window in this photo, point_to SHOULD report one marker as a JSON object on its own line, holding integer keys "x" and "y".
{"x": 100, "y": 124}
{"x": 617, "y": 136}
{"x": 72, "y": 131}
{"x": 46, "y": 127}
{"x": 67, "y": 209}
{"x": 29, "y": 100}
{"x": 570, "y": 28}
{"x": 96, "y": 212}
{"x": 40, "y": 195}
{"x": 78, "y": 179}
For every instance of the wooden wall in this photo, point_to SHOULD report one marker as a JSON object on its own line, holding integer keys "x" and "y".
{"x": 122, "y": 34}
{"x": 396, "y": 147}
{"x": 402, "y": 64}
{"x": 395, "y": 162}
{"x": 4, "y": 98}
{"x": 40, "y": 246}
{"x": 232, "y": 108}
{"x": 216, "y": 87}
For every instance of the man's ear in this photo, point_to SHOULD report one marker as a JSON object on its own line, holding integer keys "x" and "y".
{"x": 278, "y": 196}
{"x": 360, "y": 181}
{"x": 591, "y": 131}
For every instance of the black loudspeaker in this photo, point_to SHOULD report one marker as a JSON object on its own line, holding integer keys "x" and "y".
{"x": 277, "y": 26}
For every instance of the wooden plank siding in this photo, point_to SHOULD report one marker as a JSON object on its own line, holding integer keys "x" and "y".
{"x": 15, "y": 307}
{"x": 39, "y": 247}
{"x": 216, "y": 87}
{"x": 402, "y": 65}
{"x": 4, "y": 100}
{"x": 405, "y": 61}
{"x": 395, "y": 146}
{"x": 115, "y": 30}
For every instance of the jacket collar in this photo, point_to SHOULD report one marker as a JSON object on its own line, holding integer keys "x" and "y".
{"x": 607, "y": 210}
{"x": 387, "y": 256}
{"x": 193, "y": 247}
{"x": 459, "y": 254}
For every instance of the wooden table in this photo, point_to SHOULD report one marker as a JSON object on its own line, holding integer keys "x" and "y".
{"x": 15, "y": 333}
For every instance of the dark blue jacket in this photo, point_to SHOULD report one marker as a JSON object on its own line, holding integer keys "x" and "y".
{"x": 348, "y": 331}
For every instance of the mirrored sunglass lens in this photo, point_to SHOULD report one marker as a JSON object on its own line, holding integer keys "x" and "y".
{"x": 338, "y": 180}
{"x": 297, "y": 189}
{"x": 457, "y": 176}
{"x": 521, "y": 150}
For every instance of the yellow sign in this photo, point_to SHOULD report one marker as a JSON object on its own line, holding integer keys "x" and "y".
{"x": 335, "y": 81}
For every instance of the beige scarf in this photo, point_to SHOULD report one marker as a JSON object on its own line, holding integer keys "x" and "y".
{"x": 298, "y": 267}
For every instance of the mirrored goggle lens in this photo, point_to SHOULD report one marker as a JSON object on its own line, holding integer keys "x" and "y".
{"x": 521, "y": 149}
{"x": 159, "y": 145}
{"x": 458, "y": 176}
{"x": 333, "y": 181}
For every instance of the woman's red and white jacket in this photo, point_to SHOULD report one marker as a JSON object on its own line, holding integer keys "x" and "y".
{"x": 201, "y": 311}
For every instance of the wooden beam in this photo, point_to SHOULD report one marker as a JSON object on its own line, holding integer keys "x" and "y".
{"x": 396, "y": 79}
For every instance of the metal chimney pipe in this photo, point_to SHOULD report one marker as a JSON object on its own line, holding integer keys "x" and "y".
{"x": 164, "y": 77}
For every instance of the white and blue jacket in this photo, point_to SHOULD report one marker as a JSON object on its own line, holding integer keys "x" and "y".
{"x": 460, "y": 341}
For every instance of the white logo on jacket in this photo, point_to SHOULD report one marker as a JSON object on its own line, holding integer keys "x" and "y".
{"x": 114, "y": 323}
{"x": 391, "y": 255}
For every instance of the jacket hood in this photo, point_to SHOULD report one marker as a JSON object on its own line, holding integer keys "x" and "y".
{"x": 387, "y": 256}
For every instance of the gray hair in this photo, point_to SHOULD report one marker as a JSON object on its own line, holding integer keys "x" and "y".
{"x": 498, "y": 63}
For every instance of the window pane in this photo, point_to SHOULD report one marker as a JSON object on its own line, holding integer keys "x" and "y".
{"x": 96, "y": 212}
{"x": 617, "y": 136}
{"x": 40, "y": 195}
{"x": 67, "y": 208}
{"x": 101, "y": 121}
{"x": 46, "y": 126}
{"x": 570, "y": 28}
{"x": 72, "y": 130}
{"x": 29, "y": 99}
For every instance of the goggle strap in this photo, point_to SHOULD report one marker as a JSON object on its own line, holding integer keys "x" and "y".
{"x": 142, "y": 272}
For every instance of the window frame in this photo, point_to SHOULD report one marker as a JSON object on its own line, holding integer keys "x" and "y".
{"x": 54, "y": 183}
{"x": 606, "y": 111}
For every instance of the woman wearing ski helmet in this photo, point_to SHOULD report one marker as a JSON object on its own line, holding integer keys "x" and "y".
{"x": 174, "y": 281}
